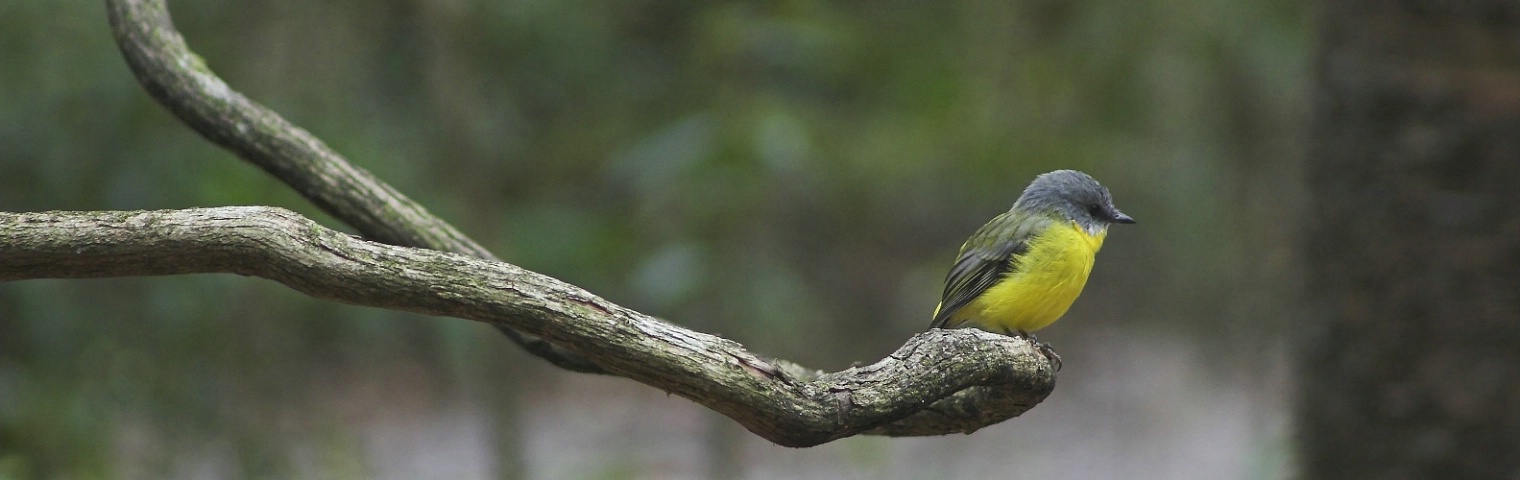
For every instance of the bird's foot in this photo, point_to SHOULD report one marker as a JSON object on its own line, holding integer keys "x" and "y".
{"x": 1050, "y": 354}
{"x": 1044, "y": 348}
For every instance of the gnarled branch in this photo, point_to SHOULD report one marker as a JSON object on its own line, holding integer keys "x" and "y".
{"x": 180, "y": 80}
{"x": 939, "y": 382}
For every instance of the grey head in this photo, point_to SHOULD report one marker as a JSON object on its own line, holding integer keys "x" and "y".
{"x": 1073, "y": 195}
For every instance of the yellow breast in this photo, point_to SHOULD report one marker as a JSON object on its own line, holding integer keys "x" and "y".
{"x": 1045, "y": 281}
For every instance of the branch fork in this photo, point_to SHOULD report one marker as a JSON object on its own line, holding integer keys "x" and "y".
{"x": 939, "y": 382}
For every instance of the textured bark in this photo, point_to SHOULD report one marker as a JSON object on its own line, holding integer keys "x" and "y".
{"x": 179, "y": 80}
{"x": 1412, "y": 368}
{"x": 939, "y": 382}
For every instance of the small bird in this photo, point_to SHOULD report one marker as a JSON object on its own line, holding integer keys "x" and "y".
{"x": 1022, "y": 270}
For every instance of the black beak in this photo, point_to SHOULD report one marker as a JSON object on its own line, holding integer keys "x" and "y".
{"x": 1120, "y": 217}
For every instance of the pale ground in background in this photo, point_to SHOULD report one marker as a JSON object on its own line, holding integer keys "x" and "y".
{"x": 1147, "y": 410}
{"x": 1143, "y": 408}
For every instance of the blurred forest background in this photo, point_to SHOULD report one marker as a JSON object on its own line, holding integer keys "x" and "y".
{"x": 792, "y": 175}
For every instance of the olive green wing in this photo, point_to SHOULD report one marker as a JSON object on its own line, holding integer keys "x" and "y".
{"x": 984, "y": 259}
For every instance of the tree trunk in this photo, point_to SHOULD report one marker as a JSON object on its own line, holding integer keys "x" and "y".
{"x": 1411, "y": 364}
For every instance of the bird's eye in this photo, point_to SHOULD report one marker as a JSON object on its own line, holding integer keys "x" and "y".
{"x": 1095, "y": 211}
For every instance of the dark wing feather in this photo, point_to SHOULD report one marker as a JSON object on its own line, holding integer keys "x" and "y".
{"x": 986, "y": 258}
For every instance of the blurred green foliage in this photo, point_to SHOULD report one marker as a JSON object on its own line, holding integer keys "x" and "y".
{"x": 794, "y": 175}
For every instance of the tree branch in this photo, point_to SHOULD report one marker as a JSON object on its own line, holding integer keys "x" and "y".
{"x": 939, "y": 382}
{"x": 180, "y": 80}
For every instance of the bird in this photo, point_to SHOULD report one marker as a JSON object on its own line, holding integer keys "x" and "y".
{"x": 1022, "y": 270}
